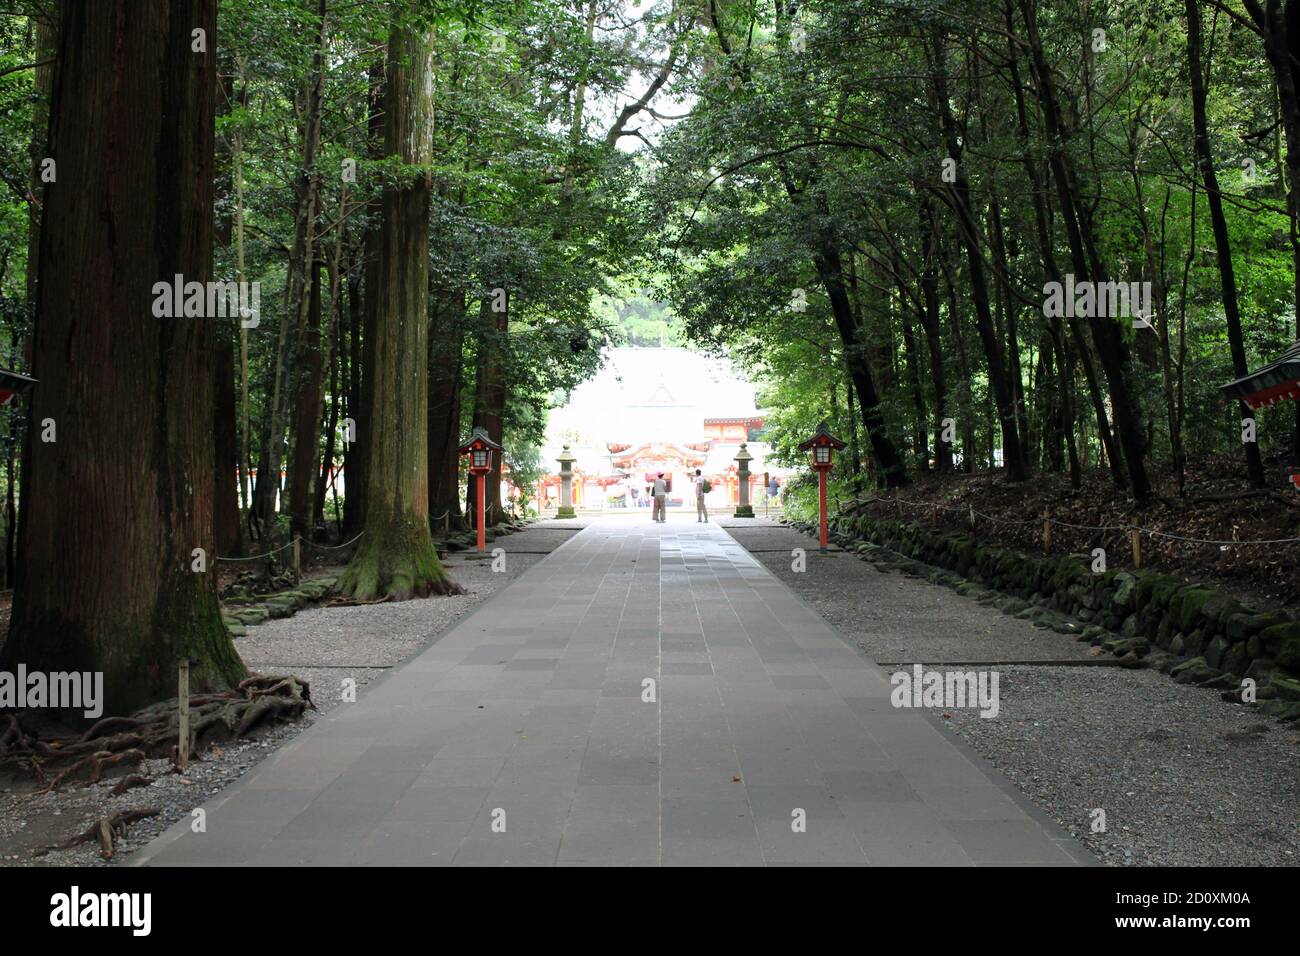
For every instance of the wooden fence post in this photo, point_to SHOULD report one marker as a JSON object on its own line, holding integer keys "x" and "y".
{"x": 297, "y": 559}
{"x": 1047, "y": 531}
{"x": 183, "y": 714}
{"x": 1135, "y": 540}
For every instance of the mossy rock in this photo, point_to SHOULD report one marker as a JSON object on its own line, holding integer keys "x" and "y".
{"x": 1124, "y": 587}
{"x": 1195, "y": 670}
{"x": 1282, "y": 641}
{"x": 1178, "y": 645}
{"x": 252, "y": 615}
{"x": 1288, "y": 688}
{"x": 1281, "y": 709}
{"x": 1244, "y": 624}
{"x": 1163, "y": 589}
{"x": 1215, "y": 650}
{"x": 236, "y": 629}
{"x": 1218, "y": 610}
{"x": 1235, "y": 660}
{"x": 1194, "y": 600}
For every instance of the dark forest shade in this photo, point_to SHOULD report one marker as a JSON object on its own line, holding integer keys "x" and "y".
{"x": 113, "y": 508}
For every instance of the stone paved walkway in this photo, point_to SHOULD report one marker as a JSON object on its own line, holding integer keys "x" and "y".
{"x": 529, "y": 715}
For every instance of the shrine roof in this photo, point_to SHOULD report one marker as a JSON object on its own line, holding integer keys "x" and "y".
{"x": 1277, "y": 381}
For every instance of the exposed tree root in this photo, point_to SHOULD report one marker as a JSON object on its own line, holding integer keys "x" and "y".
{"x": 129, "y": 782}
{"x": 152, "y": 732}
{"x": 107, "y": 831}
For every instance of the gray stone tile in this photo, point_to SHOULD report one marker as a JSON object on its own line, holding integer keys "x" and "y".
{"x": 533, "y": 706}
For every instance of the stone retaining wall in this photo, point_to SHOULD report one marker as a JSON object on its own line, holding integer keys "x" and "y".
{"x": 1210, "y": 638}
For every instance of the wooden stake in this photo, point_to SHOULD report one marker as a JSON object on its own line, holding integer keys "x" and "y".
{"x": 972, "y": 517}
{"x": 1047, "y": 531}
{"x": 297, "y": 559}
{"x": 1135, "y": 539}
{"x": 183, "y": 709}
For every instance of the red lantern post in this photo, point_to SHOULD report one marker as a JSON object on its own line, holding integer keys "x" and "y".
{"x": 822, "y": 444}
{"x": 480, "y": 448}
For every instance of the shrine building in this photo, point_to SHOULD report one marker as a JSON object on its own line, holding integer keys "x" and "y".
{"x": 651, "y": 410}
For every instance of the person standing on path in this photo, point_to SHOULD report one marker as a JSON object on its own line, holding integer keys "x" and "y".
{"x": 661, "y": 498}
{"x": 701, "y": 489}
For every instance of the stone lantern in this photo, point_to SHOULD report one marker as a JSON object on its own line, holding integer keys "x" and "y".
{"x": 744, "y": 509}
{"x": 566, "y": 459}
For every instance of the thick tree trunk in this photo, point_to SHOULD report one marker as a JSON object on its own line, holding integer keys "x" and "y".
{"x": 115, "y": 507}
{"x": 396, "y": 558}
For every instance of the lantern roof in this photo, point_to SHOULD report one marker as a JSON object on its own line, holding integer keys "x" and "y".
{"x": 478, "y": 439}
{"x": 1275, "y": 382}
{"x": 13, "y": 383}
{"x": 566, "y": 456}
{"x": 821, "y": 437}
{"x": 743, "y": 454}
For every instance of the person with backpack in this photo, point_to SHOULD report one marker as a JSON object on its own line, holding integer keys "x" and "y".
{"x": 702, "y": 487}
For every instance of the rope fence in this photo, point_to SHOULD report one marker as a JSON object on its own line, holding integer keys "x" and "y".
{"x": 298, "y": 541}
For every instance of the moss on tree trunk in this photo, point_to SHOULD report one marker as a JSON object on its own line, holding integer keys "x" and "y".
{"x": 118, "y": 571}
{"x": 396, "y": 558}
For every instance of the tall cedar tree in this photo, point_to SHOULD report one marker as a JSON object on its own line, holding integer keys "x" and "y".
{"x": 396, "y": 558}
{"x": 115, "y": 505}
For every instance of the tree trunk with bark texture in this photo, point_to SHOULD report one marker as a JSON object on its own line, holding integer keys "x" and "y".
{"x": 396, "y": 558}
{"x": 104, "y": 587}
